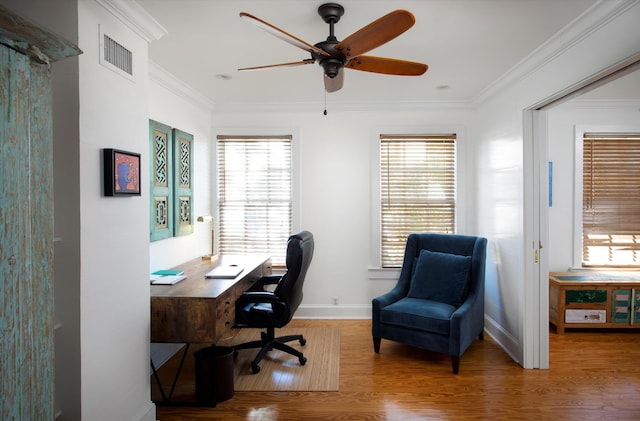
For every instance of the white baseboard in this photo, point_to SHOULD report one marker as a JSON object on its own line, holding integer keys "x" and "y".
{"x": 504, "y": 339}
{"x": 354, "y": 311}
{"x": 150, "y": 415}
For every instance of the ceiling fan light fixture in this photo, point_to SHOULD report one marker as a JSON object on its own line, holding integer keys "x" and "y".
{"x": 331, "y": 67}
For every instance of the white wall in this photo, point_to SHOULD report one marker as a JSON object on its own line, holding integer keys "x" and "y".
{"x": 562, "y": 122}
{"x": 335, "y": 183}
{"x": 168, "y": 105}
{"x": 114, "y": 232}
{"x": 504, "y": 186}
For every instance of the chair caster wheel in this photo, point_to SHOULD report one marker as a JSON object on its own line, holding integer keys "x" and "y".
{"x": 303, "y": 341}
{"x": 255, "y": 368}
{"x": 303, "y": 360}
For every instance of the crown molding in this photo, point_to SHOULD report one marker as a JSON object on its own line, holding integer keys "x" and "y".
{"x": 176, "y": 86}
{"x": 135, "y": 17}
{"x": 355, "y": 106}
{"x": 597, "y": 16}
{"x": 604, "y": 104}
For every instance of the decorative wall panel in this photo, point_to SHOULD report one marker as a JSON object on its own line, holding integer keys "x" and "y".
{"x": 183, "y": 153}
{"x": 161, "y": 151}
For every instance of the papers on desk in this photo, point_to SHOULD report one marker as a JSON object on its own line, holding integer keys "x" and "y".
{"x": 166, "y": 279}
{"x": 224, "y": 272}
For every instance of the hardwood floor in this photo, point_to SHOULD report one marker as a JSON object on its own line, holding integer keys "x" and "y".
{"x": 593, "y": 375}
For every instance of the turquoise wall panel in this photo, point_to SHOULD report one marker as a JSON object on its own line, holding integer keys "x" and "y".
{"x": 183, "y": 182}
{"x": 161, "y": 179}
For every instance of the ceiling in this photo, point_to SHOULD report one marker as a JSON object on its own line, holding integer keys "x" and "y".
{"x": 468, "y": 45}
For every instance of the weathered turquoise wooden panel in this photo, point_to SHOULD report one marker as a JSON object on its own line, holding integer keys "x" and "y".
{"x": 26, "y": 218}
{"x": 161, "y": 154}
{"x": 621, "y": 306}
{"x": 26, "y": 231}
{"x": 38, "y": 44}
{"x": 183, "y": 182}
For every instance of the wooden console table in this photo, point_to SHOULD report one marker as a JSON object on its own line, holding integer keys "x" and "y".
{"x": 583, "y": 299}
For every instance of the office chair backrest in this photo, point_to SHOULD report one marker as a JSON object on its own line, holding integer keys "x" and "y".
{"x": 299, "y": 254}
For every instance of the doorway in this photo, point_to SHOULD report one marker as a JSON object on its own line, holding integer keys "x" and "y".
{"x": 617, "y": 86}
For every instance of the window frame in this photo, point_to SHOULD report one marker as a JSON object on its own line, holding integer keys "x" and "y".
{"x": 295, "y": 170}
{"x": 375, "y": 270}
{"x": 578, "y": 172}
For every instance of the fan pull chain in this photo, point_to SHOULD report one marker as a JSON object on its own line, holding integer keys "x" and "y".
{"x": 325, "y": 101}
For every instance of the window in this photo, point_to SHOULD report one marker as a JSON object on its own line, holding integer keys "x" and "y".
{"x": 611, "y": 199}
{"x": 255, "y": 195}
{"x": 417, "y": 190}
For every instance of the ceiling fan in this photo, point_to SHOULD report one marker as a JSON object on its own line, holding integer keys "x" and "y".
{"x": 333, "y": 55}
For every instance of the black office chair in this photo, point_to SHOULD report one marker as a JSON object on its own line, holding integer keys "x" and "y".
{"x": 274, "y": 309}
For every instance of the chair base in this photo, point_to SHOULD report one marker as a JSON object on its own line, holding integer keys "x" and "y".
{"x": 269, "y": 342}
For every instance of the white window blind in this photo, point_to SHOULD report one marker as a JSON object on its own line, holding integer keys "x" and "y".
{"x": 611, "y": 199}
{"x": 255, "y": 195}
{"x": 418, "y": 190}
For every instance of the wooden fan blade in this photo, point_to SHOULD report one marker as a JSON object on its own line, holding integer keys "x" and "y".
{"x": 284, "y": 36}
{"x": 334, "y": 84}
{"x": 295, "y": 63}
{"x": 376, "y": 33}
{"x": 388, "y": 66}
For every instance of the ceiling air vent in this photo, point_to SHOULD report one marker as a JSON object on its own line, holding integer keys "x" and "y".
{"x": 116, "y": 57}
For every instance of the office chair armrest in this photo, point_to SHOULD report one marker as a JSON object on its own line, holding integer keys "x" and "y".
{"x": 270, "y": 279}
{"x": 252, "y": 306}
{"x": 263, "y": 283}
{"x": 257, "y": 297}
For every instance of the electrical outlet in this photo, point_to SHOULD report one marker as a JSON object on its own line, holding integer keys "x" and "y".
{"x": 334, "y": 301}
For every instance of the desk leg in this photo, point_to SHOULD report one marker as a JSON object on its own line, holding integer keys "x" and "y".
{"x": 175, "y": 379}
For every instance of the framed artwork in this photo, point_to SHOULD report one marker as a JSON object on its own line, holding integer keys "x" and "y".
{"x": 121, "y": 173}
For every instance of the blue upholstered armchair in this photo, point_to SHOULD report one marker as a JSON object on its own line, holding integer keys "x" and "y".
{"x": 438, "y": 302}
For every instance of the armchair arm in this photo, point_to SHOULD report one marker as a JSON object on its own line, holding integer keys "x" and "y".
{"x": 390, "y": 297}
{"x": 466, "y": 323}
{"x": 382, "y": 301}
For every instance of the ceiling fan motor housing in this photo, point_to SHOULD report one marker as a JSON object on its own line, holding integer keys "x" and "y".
{"x": 330, "y": 13}
{"x": 332, "y": 63}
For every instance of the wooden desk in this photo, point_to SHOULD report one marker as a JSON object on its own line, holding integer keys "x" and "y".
{"x": 584, "y": 299}
{"x": 200, "y": 310}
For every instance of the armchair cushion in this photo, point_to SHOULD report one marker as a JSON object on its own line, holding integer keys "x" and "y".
{"x": 419, "y": 314}
{"x": 441, "y": 277}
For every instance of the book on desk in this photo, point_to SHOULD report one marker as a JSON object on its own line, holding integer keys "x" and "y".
{"x": 171, "y": 272}
{"x": 158, "y": 279}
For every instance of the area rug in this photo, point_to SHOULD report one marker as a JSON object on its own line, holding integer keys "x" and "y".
{"x": 280, "y": 371}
